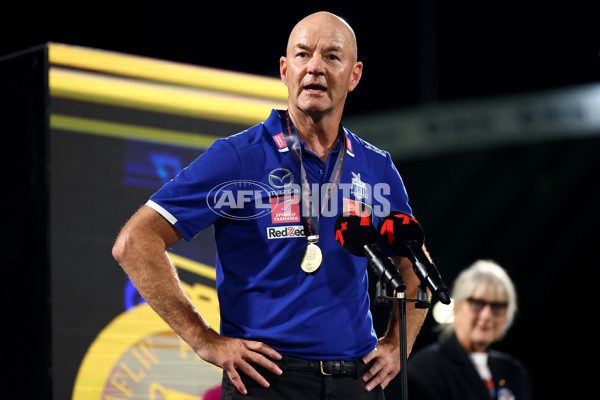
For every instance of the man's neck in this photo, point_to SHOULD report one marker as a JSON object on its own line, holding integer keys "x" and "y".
{"x": 320, "y": 135}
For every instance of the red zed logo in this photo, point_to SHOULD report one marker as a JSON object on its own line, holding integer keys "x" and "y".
{"x": 285, "y": 209}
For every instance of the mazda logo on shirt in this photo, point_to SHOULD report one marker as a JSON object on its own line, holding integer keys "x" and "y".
{"x": 281, "y": 177}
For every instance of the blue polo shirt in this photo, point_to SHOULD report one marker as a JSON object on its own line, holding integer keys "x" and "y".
{"x": 247, "y": 187}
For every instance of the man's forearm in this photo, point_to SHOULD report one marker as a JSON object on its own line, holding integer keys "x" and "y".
{"x": 140, "y": 249}
{"x": 415, "y": 317}
{"x": 161, "y": 289}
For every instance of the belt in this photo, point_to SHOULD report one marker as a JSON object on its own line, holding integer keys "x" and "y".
{"x": 327, "y": 367}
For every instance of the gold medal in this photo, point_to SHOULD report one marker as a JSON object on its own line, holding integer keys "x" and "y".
{"x": 312, "y": 258}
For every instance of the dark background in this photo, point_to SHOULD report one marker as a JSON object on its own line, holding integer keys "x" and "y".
{"x": 413, "y": 51}
{"x": 533, "y": 208}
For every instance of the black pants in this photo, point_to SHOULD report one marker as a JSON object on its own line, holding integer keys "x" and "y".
{"x": 296, "y": 384}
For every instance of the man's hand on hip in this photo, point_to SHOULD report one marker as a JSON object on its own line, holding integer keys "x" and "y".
{"x": 232, "y": 354}
{"x": 386, "y": 365}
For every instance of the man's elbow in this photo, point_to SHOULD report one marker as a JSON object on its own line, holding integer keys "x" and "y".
{"x": 119, "y": 249}
{"x": 123, "y": 247}
{"x": 146, "y": 234}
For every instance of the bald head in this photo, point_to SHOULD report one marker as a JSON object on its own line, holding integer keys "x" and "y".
{"x": 329, "y": 24}
{"x": 320, "y": 68}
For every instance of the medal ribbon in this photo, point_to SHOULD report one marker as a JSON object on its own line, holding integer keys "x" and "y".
{"x": 309, "y": 220}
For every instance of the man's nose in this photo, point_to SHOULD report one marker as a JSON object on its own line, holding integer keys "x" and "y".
{"x": 315, "y": 65}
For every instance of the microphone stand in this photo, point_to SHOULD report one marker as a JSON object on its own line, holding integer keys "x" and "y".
{"x": 422, "y": 301}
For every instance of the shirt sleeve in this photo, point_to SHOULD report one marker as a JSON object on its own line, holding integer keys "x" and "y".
{"x": 398, "y": 195}
{"x": 396, "y": 199}
{"x": 183, "y": 201}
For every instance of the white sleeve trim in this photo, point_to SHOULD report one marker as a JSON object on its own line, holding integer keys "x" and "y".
{"x": 162, "y": 212}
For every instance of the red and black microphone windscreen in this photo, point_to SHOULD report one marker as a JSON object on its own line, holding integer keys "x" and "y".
{"x": 352, "y": 232}
{"x": 399, "y": 228}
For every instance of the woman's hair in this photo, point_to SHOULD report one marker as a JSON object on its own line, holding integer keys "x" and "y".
{"x": 483, "y": 273}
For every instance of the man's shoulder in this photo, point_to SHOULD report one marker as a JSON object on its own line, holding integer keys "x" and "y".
{"x": 359, "y": 144}
{"x": 258, "y": 134}
{"x": 248, "y": 137}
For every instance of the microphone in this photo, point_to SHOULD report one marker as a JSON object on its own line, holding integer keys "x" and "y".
{"x": 358, "y": 236}
{"x": 402, "y": 232}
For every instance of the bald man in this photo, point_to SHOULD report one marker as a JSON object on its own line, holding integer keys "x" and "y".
{"x": 295, "y": 318}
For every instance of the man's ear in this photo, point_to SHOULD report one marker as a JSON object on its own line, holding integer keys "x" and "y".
{"x": 283, "y": 69}
{"x": 356, "y": 74}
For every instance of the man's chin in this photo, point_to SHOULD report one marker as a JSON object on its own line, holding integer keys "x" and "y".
{"x": 315, "y": 107}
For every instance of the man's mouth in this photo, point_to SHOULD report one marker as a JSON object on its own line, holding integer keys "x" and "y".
{"x": 315, "y": 88}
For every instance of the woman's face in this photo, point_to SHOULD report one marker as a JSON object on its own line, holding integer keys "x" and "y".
{"x": 480, "y": 319}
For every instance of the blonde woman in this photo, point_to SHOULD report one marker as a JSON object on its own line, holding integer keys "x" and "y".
{"x": 461, "y": 365}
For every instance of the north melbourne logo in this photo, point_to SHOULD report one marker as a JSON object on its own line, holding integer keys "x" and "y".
{"x": 359, "y": 188}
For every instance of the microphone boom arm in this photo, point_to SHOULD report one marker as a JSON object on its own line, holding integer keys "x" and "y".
{"x": 384, "y": 268}
{"x": 427, "y": 273}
